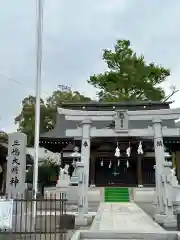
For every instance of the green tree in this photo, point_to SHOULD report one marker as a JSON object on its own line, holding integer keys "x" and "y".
{"x": 59, "y": 97}
{"x": 47, "y": 172}
{"x": 3, "y": 137}
{"x": 55, "y": 100}
{"x": 26, "y": 119}
{"x": 129, "y": 77}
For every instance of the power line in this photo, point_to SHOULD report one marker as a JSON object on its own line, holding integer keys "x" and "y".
{"x": 18, "y": 82}
{"x": 63, "y": 88}
{"x": 15, "y": 81}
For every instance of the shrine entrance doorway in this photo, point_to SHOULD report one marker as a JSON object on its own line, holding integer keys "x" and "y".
{"x": 115, "y": 172}
{"x": 148, "y": 172}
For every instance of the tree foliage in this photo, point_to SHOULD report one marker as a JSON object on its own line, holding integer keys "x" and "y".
{"x": 26, "y": 119}
{"x": 47, "y": 173}
{"x": 129, "y": 77}
{"x": 3, "y": 137}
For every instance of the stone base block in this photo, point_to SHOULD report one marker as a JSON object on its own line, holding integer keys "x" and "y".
{"x": 61, "y": 189}
{"x": 143, "y": 194}
{"x": 170, "y": 222}
{"x": 159, "y": 218}
{"x": 72, "y": 194}
{"x": 81, "y": 221}
{"x": 62, "y": 184}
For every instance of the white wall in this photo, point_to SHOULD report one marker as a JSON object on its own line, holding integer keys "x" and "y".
{"x": 143, "y": 195}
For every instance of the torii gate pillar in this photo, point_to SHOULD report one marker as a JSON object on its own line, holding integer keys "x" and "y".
{"x": 160, "y": 160}
{"x": 85, "y": 156}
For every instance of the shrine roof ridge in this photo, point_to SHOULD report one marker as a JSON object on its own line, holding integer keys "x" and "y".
{"x": 122, "y": 103}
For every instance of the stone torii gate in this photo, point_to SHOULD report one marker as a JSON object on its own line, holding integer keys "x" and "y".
{"x": 157, "y": 131}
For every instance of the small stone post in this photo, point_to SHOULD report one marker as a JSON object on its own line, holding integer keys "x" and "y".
{"x": 81, "y": 220}
{"x": 178, "y": 213}
{"x": 160, "y": 159}
{"x": 169, "y": 220}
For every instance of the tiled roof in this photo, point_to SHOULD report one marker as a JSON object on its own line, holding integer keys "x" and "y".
{"x": 96, "y": 106}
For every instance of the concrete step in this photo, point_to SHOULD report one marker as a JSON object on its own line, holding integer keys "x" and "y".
{"x": 147, "y": 238}
{"x": 114, "y": 239}
{"x": 88, "y": 235}
{"x": 126, "y": 236}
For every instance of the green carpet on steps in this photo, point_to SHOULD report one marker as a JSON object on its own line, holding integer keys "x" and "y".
{"x": 112, "y": 194}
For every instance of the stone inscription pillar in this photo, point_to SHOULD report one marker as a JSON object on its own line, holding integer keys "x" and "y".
{"x": 16, "y": 164}
{"x": 160, "y": 159}
{"x": 85, "y": 157}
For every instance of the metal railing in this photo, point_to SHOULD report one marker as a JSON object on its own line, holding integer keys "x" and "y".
{"x": 18, "y": 222}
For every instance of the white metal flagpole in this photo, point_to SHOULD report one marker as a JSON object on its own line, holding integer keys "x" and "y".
{"x": 38, "y": 96}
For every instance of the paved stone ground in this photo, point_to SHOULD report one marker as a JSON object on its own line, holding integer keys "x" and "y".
{"x": 123, "y": 217}
{"x": 94, "y": 195}
{"x": 93, "y": 207}
{"x": 149, "y": 208}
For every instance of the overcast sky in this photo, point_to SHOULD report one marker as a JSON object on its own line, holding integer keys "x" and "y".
{"x": 75, "y": 32}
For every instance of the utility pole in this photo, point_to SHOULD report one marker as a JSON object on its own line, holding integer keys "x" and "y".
{"x": 38, "y": 97}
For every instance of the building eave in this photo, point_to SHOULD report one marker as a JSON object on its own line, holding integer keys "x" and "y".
{"x": 124, "y": 103}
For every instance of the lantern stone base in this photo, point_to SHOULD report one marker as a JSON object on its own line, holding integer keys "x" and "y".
{"x": 62, "y": 187}
{"x": 159, "y": 218}
{"x": 170, "y": 221}
{"x": 62, "y": 183}
{"x": 81, "y": 221}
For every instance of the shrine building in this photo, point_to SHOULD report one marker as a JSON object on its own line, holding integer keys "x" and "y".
{"x": 106, "y": 169}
